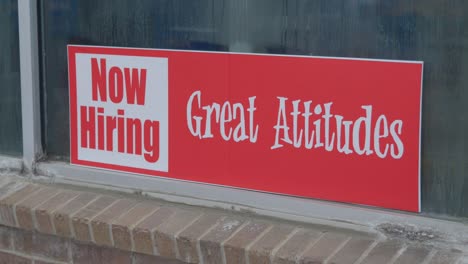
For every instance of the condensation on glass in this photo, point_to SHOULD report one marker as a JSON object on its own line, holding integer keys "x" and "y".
{"x": 10, "y": 98}
{"x": 432, "y": 31}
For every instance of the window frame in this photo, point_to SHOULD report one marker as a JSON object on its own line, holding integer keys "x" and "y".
{"x": 292, "y": 208}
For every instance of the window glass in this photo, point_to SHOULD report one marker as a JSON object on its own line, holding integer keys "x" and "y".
{"x": 432, "y": 31}
{"x": 10, "y": 98}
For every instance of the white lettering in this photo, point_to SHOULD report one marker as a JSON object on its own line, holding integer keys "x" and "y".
{"x": 397, "y": 139}
{"x": 281, "y": 124}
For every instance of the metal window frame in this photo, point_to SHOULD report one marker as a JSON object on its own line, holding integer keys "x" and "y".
{"x": 30, "y": 92}
{"x": 285, "y": 207}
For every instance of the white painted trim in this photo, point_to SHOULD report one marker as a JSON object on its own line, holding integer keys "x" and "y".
{"x": 280, "y": 206}
{"x": 257, "y": 54}
{"x": 30, "y": 94}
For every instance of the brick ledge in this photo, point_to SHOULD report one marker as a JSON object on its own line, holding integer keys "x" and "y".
{"x": 111, "y": 221}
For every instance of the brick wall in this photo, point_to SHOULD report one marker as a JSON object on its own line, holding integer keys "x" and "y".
{"x": 19, "y": 246}
{"x": 52, "y": 224}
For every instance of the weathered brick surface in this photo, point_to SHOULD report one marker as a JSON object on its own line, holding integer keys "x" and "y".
{"x": 8, "y": 258}
{"x": 187, "y": 241}
{"x": 7, "y": 203}
{"x": 5, "y": 238}
{"x": 234, "y": 248}
{"x": 323, "y": 248}
{"x": 10, "y": 187}
{"x": 36, "y": 261}
{"x": 143, "y": 232}
{"x": 352, "y": 251}
{"x": 129, "y": 228}
{"x": 147, "y": 259}
{"x": 412, "y": 255}
{"x": 294, "y": 246}
{"x": 100, "y": 225}
{"x": 210, "y": 244}
{"x": 89, "y": 254}
{"x": 444, "y": 257}
{"x": 24, "y": 209}
{"x": 42, "y": 245}
{"x": 165, "y": 234}
{"x": 382, "y": 252}
{"x": 123, "y": 226}
{"x": 62, "y": 216}
{"x": 259, "y": 253}
{"x": 82, "y": 218}
{"x": 44, "y": 211}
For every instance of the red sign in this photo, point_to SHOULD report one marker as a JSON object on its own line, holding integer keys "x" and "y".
{"x": 337, "y": 129}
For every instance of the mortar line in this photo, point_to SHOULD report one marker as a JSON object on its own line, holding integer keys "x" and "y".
{"x": 340, "y": 247}
{"x": 52, "y": 213}
{"x": 131, "y": 227}
{"x": 200, "y": 255}
{"x": 398, "y": 254}
{"x": 153, "y": 234}
{"x": 70, "y": 217}
{"x": 309, "y": 246}
{"x": 90, "y": 227}
{"x": 176, "y": 235}
{"x": 247, "y": 248}
{"x": 109, "y": 226}
{"x": 13, "y": 206}
{"x": 366, "y": 252}
{"x": 429, "y": 256}
{"x": 282, "y": 243}
{"x": 223, "y": 253}
{"x": 33, "y": 211}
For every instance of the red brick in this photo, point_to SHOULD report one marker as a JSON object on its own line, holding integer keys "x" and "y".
{"x": 100, "y": 225}
{"x": 260, "y": 251}
{"x": 81, "y": 219}
{"x": 50, "y": 247}
{"x": 234, "y": 248}
{"x": 41, "y": 245}
{"x": 143, "y": 232}
{"x": 290, "y": 251}
{"x": 188, "y": 239}
{"x": 210, "y": 244}
{"x": 7, "y": 204}
{"x": 44, "y": 211}
{"x": 147, "y": 259}
{"x": 23, "y": 241}
{"x": 90, "y": 254}
{"x": 121, "y": 228}
{"x": 165, "y": 234}
{"x": 25, "y": 208}
{"x": 7, "y": 258}
{"x": 5, "y": 238}
{"x": 61, "y": 217}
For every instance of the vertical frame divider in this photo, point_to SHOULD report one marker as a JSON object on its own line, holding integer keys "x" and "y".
{"x": 30, "y": 93}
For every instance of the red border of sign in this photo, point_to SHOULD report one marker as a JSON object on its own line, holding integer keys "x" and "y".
{"x": 72, "y": 50}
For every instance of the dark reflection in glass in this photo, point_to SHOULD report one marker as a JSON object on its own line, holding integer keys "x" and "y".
{"x": 10, "y": 98}
{"x": 433, "y": 31}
